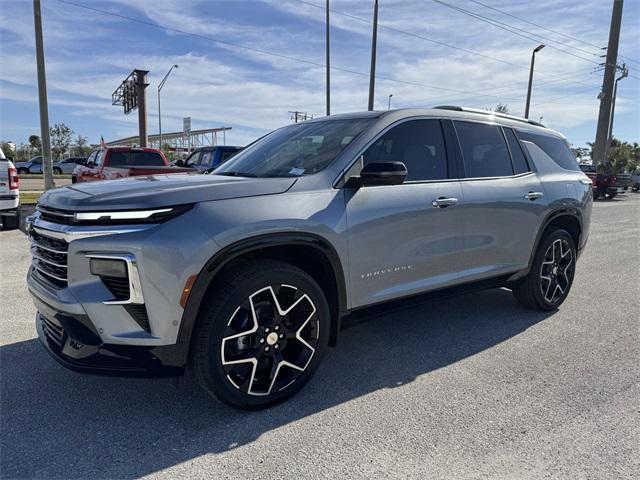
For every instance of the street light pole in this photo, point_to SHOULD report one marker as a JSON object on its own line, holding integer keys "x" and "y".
{"x": 328, "y": 67}
{"x": 160, "y": 85}
{"x": 389, "y": 106}
{"x": 374, "y": 42}
{"x": 533, "y": 58}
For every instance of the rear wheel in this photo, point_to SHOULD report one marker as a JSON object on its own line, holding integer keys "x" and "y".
{"x": 57, "y": 171}
{"x": 261, "y": 336}
{"x": 549, "y": 281}
{"x": 22, "y": 171}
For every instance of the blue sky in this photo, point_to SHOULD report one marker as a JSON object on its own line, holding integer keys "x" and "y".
{"x": 89, "y": 53}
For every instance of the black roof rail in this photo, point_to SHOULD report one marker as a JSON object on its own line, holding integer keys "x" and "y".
{"x": 457, "y": 108}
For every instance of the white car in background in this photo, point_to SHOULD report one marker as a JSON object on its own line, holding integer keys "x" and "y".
{"x": 9, "y": 194}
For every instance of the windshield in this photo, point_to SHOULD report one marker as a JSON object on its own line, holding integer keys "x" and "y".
{"x": 299, "y": 149}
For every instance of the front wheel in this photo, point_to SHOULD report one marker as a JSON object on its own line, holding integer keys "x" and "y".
{"x": 57, "y": 171}
{"x": 261, "y": 335}
{"x": 549, "y": 281}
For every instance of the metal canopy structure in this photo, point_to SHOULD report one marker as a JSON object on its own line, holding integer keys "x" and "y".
{"x": 178, "y": 141}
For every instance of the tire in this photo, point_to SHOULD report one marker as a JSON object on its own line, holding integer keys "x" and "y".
{"x": 596, "y": 193}
{"x": 10, "y": 222}
{"x": 74, "y": 179}
{"x": 57, "y": 171}
{"x": 241, "y": 341}
{"x": 22, "y": 171}
{"x": 549, "y": 281}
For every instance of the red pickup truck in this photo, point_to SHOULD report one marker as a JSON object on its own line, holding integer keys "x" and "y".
{"x": 119, "y": 162}
{"x": 606, "y": 186}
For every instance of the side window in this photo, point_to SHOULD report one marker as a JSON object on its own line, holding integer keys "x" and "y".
{"x": 520, "y": 164}
{"x": 226, "y": 155}
{"x": 92, "y": 156}
{"x": 118, "y": 159}
{"x": 419, "y": 144}
{"x": 554, "y": 147}
{"x": 100, "y": 157}
{"x": 192, "y": 159}
{"x": 207, "y": 158}
{"x": 484, "y": 150}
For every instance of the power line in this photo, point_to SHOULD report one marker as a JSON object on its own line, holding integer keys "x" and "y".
{"x": 545, "y": 28}
{"x": 268, "y": 52}
{"x": 515, "y": 30}
{"x": 422, "y": 37}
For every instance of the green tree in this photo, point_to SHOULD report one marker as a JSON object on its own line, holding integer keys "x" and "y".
{"x": 81, "y": 146}
{"x": 35, "y": 144}
{"x": 60, "y": 140}
{"x": 501, "y": 108}
{"x": 8, "y": 149}
{"x": 622, "y": 157}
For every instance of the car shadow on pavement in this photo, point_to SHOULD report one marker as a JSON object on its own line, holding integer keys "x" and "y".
{"x": 60, "y": 424}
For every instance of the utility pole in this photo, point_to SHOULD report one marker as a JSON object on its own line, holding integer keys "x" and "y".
{"x": 141, "y": 85}
{"x": 374, "y": 41}
{"x": 533, "y": 59}
{"x": 606, "y": 97}
{"x": 47, "y": 168}
{"x": 328, "y": 44}
{"x": 625, "y": 73}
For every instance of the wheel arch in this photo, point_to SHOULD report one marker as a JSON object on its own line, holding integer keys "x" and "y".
{"x": 569, "y": 219}
{"x": 310, "y": 252}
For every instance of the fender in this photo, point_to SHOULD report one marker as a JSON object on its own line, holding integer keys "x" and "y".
{"x": 233, "y": 251}
{"x": 571, "y": 211}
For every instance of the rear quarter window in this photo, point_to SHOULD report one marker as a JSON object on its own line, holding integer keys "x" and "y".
{"x": 135, "y": 159}
{"x": 556, "y": 148}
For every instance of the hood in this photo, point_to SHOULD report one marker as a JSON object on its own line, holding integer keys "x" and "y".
{"x": 160, "y": 191}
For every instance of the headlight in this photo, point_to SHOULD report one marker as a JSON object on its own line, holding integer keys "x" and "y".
{"x": 119, "y": 217}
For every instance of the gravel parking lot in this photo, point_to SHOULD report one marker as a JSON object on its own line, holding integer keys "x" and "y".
{"x": 470, "y": 387}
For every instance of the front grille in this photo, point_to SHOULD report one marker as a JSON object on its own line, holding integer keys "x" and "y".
{"x": 49, "y": 258}
{"x": 56, "y": 215}
{"x": 53, "y": 331}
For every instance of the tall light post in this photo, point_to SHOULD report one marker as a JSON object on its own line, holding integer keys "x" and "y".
{"x": 533, "y": 59}
{"x": 328, "y": 66}
{"x": 374, "y": 44}
{"x": 389, "y": 105}
{"x": 160, "y": 85}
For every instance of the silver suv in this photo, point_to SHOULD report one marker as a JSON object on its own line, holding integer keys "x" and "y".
{"x": 244, "y": 275}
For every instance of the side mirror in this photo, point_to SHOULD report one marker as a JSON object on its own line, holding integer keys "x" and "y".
{"x": 380, "y": 173}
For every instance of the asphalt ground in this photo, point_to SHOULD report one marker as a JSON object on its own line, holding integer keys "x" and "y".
{"x": 468, "y": 387}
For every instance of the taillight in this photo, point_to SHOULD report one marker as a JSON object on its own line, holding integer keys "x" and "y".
{"x": 14, "y": 179}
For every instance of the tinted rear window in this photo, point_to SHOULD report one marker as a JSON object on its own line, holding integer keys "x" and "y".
{"x": 520, "y": 164}
{"x": 554, "y": 147}
{"x": 484, "y": 150}
{"x": 137, "y": 159}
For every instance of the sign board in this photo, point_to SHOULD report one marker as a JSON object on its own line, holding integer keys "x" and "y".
{"x": 186, "y": 126}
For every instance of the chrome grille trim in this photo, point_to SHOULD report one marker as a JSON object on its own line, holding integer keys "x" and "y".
{"x": 49, "y": 257}
{"x": 60, "y": 279}
{"x": 42, "y": 259}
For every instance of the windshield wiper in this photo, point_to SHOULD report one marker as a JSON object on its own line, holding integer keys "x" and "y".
{"x": 237, "y": 174}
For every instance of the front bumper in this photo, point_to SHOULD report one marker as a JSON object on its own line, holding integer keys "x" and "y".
{"x": 73, "y": 342}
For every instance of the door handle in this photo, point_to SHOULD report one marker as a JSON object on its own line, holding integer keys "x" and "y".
{"x": 443, "y": 202}
{"x": 533, "y": 195}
